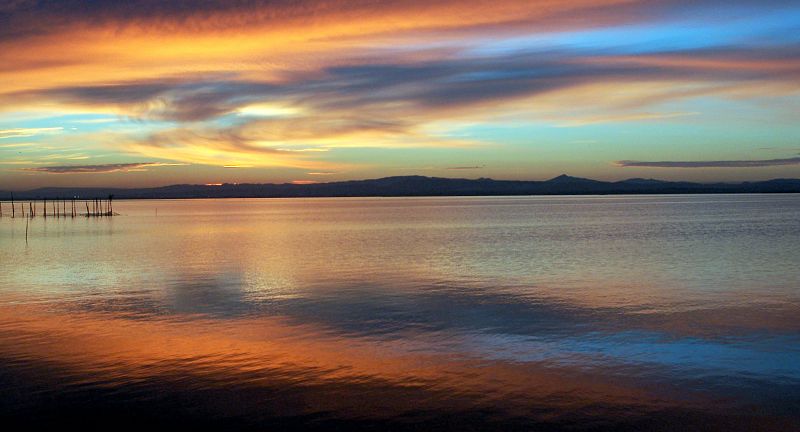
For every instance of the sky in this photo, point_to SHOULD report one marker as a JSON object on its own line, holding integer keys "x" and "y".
{"x": 147, "y": 93}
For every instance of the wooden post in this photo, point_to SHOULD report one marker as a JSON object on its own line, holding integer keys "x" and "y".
{"x": 12, "y": 205}
{"x": 87, "y": 208}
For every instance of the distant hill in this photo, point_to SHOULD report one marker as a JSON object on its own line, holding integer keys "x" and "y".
{"x": 420, "y": 186}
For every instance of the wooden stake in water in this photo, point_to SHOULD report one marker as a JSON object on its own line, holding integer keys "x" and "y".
{"x": 26, "y": 231}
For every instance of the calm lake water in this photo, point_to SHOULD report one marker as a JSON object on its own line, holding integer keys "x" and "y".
{"x": 502, "y": 313}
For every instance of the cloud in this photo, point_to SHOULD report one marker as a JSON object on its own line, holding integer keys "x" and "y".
{"x": 392, "y": 90}
{"x": 186, "y": 99}
{"x": 126, "y": 41}
{"x": 105, "y": 168}
{"x": 224, "y": 147}
{"x": 30, "y": 18}
{"x": 28, "y": 132}
{"x": 17, "y": 145}
{"x": 710, "y": 164}
{"x": 623, "y": 118}
{"x": 387, "y": 100}
{"x": 278, "y": 83}
{"x": 466, "y": 167}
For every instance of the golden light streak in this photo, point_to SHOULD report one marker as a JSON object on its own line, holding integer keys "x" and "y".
{"x": 268, "y": 110}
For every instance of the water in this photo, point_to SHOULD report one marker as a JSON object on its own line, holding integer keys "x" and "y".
{"x": 502, "y": 313}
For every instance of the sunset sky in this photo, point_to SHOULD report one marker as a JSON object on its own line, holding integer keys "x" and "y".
{"x": 146, "y": 93}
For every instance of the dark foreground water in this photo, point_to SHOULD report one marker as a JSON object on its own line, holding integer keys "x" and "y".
{"x": 530, "y": 313}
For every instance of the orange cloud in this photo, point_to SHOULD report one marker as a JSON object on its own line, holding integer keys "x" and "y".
{"x": 261, "y": 42}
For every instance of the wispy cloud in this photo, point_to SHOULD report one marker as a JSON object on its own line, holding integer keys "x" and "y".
{"x": 474, "y": 167}
{"x": 226, "y": 147}
{"x": 623, "y": 118}
{"x": 27, "y": 132}
{"x": 105, "y": 168}
{"x": 710, "y": 164}
{"x": 16, "y": 145}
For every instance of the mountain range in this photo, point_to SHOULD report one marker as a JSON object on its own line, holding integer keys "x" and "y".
{"x": 418, "y": 186}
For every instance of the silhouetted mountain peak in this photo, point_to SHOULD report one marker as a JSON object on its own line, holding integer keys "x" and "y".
{"x": 563, "y": 178}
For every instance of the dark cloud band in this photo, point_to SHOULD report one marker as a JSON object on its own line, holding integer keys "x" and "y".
{"x": 710, "y": 164}
{"x": 82, "y": 169}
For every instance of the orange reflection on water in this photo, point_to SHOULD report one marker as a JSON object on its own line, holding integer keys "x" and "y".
{"x": 267, "y": 350}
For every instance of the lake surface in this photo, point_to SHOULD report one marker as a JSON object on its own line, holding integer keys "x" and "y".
{"x": 501, "y": 313}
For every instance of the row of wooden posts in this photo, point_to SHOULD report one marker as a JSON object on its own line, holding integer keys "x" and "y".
{"x": 58, "y": 208}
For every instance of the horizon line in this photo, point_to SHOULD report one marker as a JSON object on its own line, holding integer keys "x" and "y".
{"x": 297, "y": 183}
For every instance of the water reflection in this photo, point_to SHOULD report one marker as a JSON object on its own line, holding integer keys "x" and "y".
{"x": 353, "y": 314}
